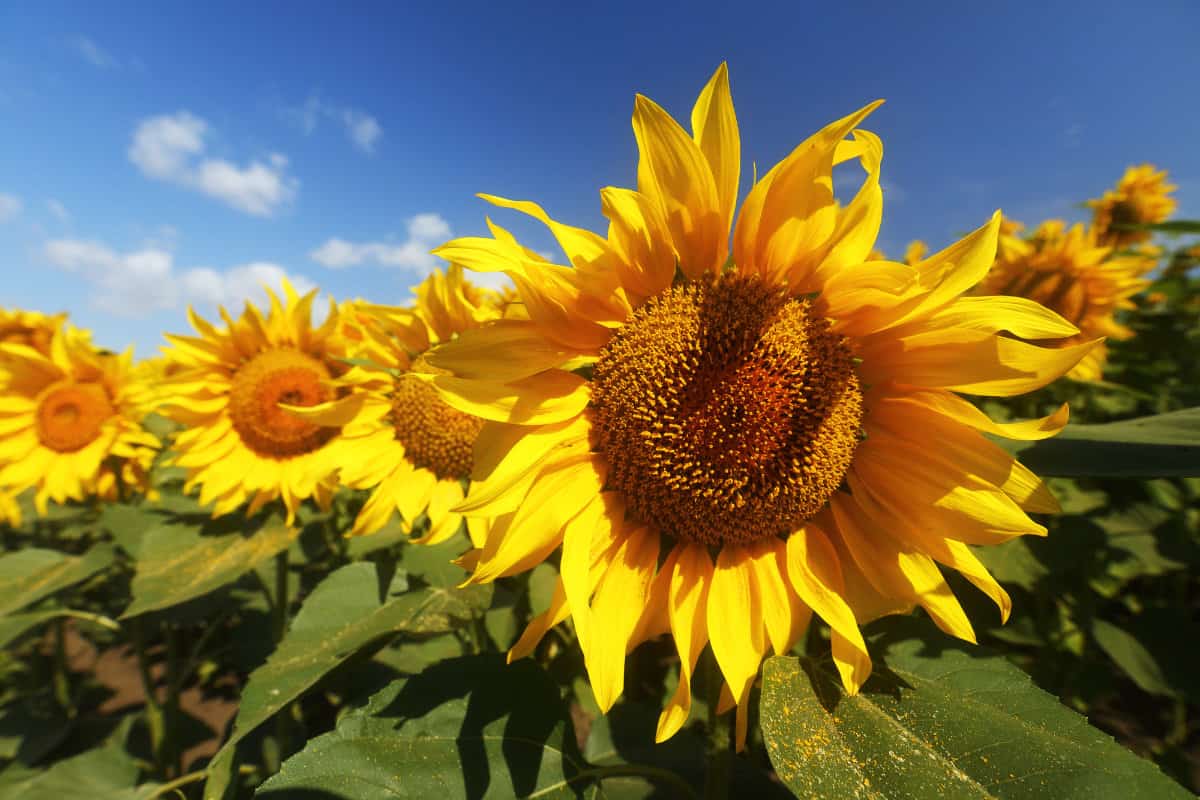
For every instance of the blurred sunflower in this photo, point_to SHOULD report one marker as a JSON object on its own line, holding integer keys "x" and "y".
{"x": 1142, "y": 196}
{"x": 771, "y": 405}
{"x": 1067, "y": 271}
{"x": 68, "y": 418}
{"x": 229, "y": 390}
{"x": 399, "y": 439}
{"x": 31, "y": 328}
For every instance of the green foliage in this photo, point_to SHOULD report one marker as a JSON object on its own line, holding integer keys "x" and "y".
{"x": 940, "y": 722}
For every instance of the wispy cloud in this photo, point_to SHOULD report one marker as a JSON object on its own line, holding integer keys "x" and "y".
{"x": 172, "y": 147}
{"x": 141, "y": 282}
{"x": 87, "y": 49}
{"x": 425, "y": 231}
{"x": 10, "y": 206}
{"x": 58, "y": 210}
{"x": 361, "y": 128}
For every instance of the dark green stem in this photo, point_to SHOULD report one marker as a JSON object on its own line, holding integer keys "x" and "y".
{"x": 718, "y": 770}
{"x": 172, "y": 754}
{"x": 283, "y": 720}
{"x": 62, "y": 677}
{"x": 680, "y": 787}
{"x": 154, "y": 712}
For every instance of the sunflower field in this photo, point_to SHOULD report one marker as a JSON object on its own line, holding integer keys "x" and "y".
{"x": 727, "y": 504}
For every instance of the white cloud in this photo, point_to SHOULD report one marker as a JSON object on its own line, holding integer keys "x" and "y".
{"x": 10, "y": 206}
{"x": 58, "y": 210}
{"x": 92, "y": 52}
{"x": 170, "y": 148}
{"x": 425, "y": 231}
{"x": 138, "y": 283}
{"x": 363, "y": 129}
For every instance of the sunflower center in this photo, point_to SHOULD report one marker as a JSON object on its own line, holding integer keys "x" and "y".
{"x": 435, "y": 436}
{"x": 261, "y": 384}
{"x": 728, "y": 411}
{"x": 70, "y": 416}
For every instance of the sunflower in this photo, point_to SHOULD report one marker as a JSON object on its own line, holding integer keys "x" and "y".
{"x": 31, "y": 328}
{"x": 229, "y": 391}
{"x": 68, "y": 418}
{"x": 1069, "y": 271}
{"x": 726, "y": 439}
{"x": 399, "y": 439}
{"x": 1142, "y": 196}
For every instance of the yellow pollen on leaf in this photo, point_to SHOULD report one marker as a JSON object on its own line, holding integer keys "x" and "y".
{"x": 435, "y": 436}
{"x": 728, "y": 412}
{"x": 71, "y": 415}
{"x": 279, "y": 376}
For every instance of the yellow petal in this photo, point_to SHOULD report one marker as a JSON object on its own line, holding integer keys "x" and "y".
{"x": 502, "y": 351}
{"x": 687, "y": 610}
{"x": 715, "y": 130}
{"x": 1017, "y": 315}
{"x": 333, "y": 414}
{"x": 815, "y": 572}
{"x": 551, "y": 396}
{"x": 616, "y": 607}
{"x": 735, "y": 627}
{"x": 558, "y": 611}
{"x": 956, "y": 408}
{"x": 674, "y": 173}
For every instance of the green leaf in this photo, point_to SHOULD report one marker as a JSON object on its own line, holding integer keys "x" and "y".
{"x": 32, "y": 574}
{"x": 471, "y": 727}
{"x": 1133, "y": 659}
{"x": 177, "y": 563}
{"x": 107, "y": 771}
{"x": 1164, "y": 445}
{"x": 342, "y": 615}
{"x": 14, "y": 625}
{"x": 940, "y": 722}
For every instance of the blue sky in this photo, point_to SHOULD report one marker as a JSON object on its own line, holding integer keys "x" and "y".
{"x": 159, "y": 154}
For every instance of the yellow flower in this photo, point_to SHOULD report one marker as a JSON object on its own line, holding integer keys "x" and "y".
{"x": 1141, "y": 197}
{"x": 229, "y": 391}
{"x": 779, "y": 404}
{"x": 398, "y": 437}
{"x": 68, "y": 417}
{"x": 1066, "y": 270}
{"x": 31, "y": 328}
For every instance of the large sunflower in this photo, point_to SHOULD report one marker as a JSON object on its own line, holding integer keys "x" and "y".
{"x": 70, "y": 418}
{"x": 228, "y": 391}
{"x": 749, "y": 438}
{"x": 1142, "y": 196}
{"x": 1068, "y": 271}
{"x": 399, "y": 438}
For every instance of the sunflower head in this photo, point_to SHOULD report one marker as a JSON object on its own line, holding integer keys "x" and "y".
{"x": 725, "y": 425}
{"x": 1068, "y": 271}
{"x": 398, "y": 438}
{"x": 232, "y": 386}
{"x": 72, "y": 416}
{"x": 30, "y": 328}
{"x": 1141, "y": 196}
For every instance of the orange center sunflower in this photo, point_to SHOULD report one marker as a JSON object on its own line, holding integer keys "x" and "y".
{"x": 70, "y": 416}
{"x": 261, "y": 384}
{"x": 728, "y": 411}
{"x": 435, "y": 436}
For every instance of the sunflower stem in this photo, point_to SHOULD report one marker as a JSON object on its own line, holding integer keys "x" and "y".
{"x": 718, "y": 770}
{"x": 62, "y": 677}
{"x": 283, "y": 719}
{"x": 172, "y": 754}
{"x": 154, "y": 712}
